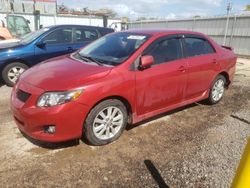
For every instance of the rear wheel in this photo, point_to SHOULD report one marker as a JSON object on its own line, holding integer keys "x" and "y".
{"x": 217, "y": 90}
{"x": 12, "y": 71}
{"x": 106, "y": 122}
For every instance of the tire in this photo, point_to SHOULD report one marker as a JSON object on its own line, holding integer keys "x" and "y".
{"x": 217, "y": 90}
{"x": 98, "y": 124}
{"x": 12, "y": 71}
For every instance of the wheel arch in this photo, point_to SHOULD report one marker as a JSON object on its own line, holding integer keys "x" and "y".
{"x": 226, "y": 75}
{"x": 3, "y": 65}
{"x": 6, "y": 63}
{"x": 123, "y": 100}
{"x": 16, "y": 61}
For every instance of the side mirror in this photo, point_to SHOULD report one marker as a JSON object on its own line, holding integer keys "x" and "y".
{"x": 146, "y": 62}
{"x": 41, "y": 44}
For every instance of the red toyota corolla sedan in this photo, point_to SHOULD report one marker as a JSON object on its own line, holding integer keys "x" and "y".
{"x": 122, "y": 78}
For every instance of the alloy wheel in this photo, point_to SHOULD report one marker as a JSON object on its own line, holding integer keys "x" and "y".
{"x": 218, "y": 90}
{"x": 108, "y": 123}
{"x": 14, "y": 73}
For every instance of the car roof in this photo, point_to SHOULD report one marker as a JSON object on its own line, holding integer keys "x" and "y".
{"x": 163, "y": 31}
{"x": 74, "y": 25}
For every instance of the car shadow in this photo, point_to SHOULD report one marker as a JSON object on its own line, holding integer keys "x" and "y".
{"x": 132, "y": 126}
{"x": 155, "y": 174}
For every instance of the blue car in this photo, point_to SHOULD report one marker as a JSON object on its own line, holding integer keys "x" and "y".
{"x": 48, "y": 42}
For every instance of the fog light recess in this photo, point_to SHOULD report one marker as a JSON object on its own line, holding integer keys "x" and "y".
{"x": 49, "y": 129}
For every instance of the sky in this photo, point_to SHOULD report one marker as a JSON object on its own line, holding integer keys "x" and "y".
{"x": 168, "y": 9}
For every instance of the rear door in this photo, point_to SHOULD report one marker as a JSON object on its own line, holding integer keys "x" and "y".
{"x": 83, "y": 36}
{"x": 164, "y": 83}
{"x": 58, "y": 42}
{"x": 202, "y": 65}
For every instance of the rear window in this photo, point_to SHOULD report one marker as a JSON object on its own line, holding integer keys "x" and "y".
{"x": 197, "y": 46}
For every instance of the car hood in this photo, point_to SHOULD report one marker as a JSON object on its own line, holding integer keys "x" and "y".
{"x": 63, "y": 73}
{"x": 9, "y": 44}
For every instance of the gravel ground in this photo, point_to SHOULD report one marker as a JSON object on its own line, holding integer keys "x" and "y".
{"x": 195, "y": 146}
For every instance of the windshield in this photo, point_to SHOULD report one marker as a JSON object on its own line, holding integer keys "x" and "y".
{"x": 115, "y": 48}
{"x": 33, "y": 35}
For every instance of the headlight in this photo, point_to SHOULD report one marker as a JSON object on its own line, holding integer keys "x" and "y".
{"x": 55, "y": 98}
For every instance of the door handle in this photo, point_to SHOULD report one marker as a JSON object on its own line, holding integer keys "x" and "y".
{"x": 182, "y": 69}
{"x": 70, "y": 48}
{"x": 214, "y": 61}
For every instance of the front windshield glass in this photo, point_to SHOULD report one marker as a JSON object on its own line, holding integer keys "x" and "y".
{"x": 33, "y": 35}
{"x": 115, "y": 48}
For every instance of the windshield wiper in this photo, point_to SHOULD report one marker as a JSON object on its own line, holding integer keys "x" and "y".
{"x": 89, "y": 59}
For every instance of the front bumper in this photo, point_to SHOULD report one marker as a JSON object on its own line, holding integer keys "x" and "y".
{"x": 67, "y": 118}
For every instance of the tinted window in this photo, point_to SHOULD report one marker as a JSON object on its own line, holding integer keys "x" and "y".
{"x": 59, "y": 36}
{"x": 83, "y": 34}
{"x": 197, "y": 46}
{"x": 165, "y": 50}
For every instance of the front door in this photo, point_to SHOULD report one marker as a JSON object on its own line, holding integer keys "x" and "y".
{"x": 164, "y": 83}
{"x": 56, "y": 43}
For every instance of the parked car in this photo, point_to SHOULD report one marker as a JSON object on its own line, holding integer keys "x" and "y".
{"x": 43, "y": 44}
{"x": 121, "y": 78}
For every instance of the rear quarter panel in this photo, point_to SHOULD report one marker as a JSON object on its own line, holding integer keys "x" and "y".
{"x": 227, "y": 61}
{"x": 226, "y": 58}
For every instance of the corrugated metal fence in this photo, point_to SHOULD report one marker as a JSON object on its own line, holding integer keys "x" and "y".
{"x": 238, "y": 33}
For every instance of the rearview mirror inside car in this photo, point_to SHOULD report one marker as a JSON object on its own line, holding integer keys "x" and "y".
{"x": 146, "y": 62}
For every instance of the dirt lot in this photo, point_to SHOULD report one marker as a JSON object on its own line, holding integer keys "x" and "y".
{"x": 196, "y": 146}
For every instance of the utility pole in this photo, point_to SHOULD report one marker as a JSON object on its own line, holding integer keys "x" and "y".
{"x": 229, "y": 8}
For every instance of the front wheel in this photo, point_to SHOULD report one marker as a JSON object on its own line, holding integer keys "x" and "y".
{"x": 12, "y": 72}
{"x": 217, "y": 90}
{"x": 106, "y": 122}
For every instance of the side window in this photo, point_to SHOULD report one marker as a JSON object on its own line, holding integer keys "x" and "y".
{"x": 197, "y": 46}
{"x": 83, "y": 35}
{"x": 165, "y": 50}
{"x": 59, "y": 36}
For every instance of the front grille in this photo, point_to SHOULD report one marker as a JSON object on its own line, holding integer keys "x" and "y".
{"x": 22, "y": 95}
